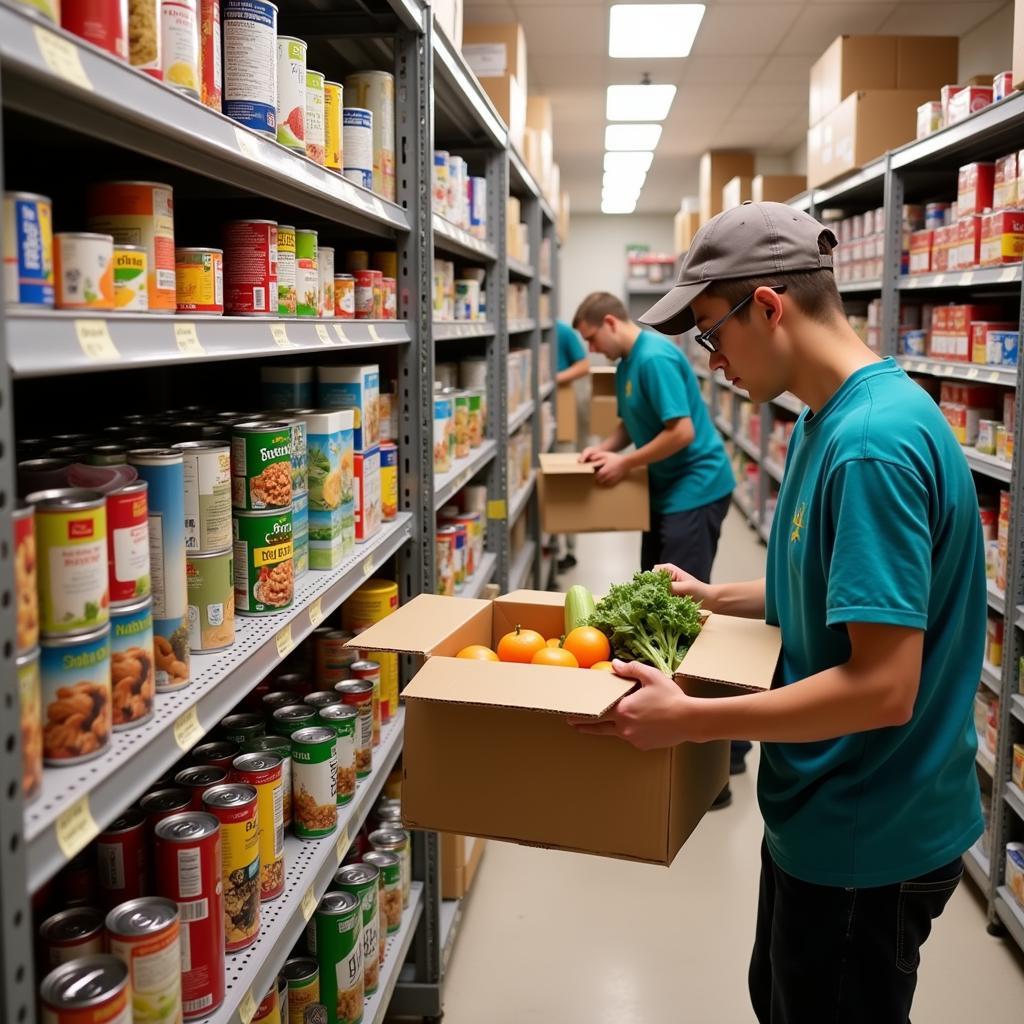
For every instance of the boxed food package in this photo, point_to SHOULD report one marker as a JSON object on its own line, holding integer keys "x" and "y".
{"x": 946, "y": 94}
{"x": 929, "y": 118}
{"x": 1005, "y": 190}
{"x": 488, "y": 752}
{"x": 969, "y": 100}
{"x": 736, "y": 191}
{"x": 366, "y": 474}
{"x": 986, "y": 340}
{"x": 1002, "y": 238}
{"x": 604, "y": 405}
{"x": 921, "y": 252}
{"x": 943, "y": 243}
{"x": 964, "y": 406}
{"x": 509, "y": 99}
{"x": 717, "y": 167}
{"x": 356, "y": 388}
{"x": 571, "y": 500}
{"x": 950, "y": 331}
{"x": 1002, "y": 86}
{"x": 968, "y": 238}
{"x": 460, "y": 857}
{"x": 975, "y": 183}
{"x": 1015, "y": 872}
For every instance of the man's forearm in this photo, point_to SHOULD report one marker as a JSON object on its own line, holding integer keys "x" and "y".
{"x": 745, "y": 599}
{"x": 616, "y": 441}
{"x": 667, "y": 443}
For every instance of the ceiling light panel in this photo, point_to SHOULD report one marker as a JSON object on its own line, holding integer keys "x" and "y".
{"x": 636, "y": 161}
{"x": 653, "y": 30}
{"x": 617, "y": 206}
{"x": 639, "y": 102}
{"x": 631, "y": 136}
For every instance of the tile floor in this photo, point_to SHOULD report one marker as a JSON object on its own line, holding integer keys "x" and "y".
{"x": 557, "y": 938}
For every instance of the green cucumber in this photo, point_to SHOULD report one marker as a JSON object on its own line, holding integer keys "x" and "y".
{"x": 579, "y": 606}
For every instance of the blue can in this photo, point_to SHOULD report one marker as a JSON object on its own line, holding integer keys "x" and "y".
{"x": 478, "y": 206}
{"x": 28, "y": 250}
{"x": 357, "y": 145}
{"x": 250, "y": 64}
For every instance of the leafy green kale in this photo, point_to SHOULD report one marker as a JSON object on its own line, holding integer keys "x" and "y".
{"x": 644, "y": 621}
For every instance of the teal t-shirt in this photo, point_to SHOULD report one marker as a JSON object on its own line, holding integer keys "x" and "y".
{"x": 569, "y": 345}
{"x": 654, "y": 384}
{"x": 877, "y": 522}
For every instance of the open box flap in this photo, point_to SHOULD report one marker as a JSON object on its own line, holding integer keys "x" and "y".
{"x": 742, "y": 653}
{"x": 566, "y": 691}
{"x": 421, "y": 625}
{"x": 565, "y": 463}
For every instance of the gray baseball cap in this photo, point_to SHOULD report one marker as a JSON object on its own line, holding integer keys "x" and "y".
{"x": 751, "y": 240}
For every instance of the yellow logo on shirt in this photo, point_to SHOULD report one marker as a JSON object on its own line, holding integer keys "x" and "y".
{"x": 629, "y": 389}
{"x": 798, "y": 523}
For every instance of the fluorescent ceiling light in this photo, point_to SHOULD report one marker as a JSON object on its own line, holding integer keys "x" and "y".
{"x": 628, "y": 161}
{"x": 622, "y": 196}
{"x": 639, "y": 102}
{"x": 617, "y": 206}
{"x": 619, "y": 184}
{"x": 653, "y": 30}
{"x": 631, "y": 136}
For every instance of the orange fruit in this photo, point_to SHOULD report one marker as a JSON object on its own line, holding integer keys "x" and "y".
{"x": 555, "y": 641}
{"x": 520, "y": 645}
{"x": 477, "y": 652}
{"x": 589, "y": 645}
{"x": 602, "y": 666}
{"x": 557, "y": 657}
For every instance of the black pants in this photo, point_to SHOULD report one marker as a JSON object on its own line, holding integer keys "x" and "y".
{"x": 841, "y": 956}
{"x": 688, "y": 539}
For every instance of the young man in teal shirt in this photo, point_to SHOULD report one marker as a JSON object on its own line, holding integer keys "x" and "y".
{"x": 876, "y": 577}
{"x": 571, "y": 364}
{"x": 663, "y": 415}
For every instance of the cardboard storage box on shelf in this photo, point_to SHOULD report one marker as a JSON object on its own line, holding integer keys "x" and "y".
{"x": 571, "y": 500}
{"x": 717, "y": 167}
{"x": 776, "y": 188}
{"x": 686, "y": 225}
{"x": 736, "y": 191}
{"x": 564, "y": 209}
{"x": 509, "y": 99}
{"x": 460, "y": 857}
{"x": 566, "y": 414}
{"x": 448, "y": 14}
{"x": 861, "y": 128}
{"x": 604, "y": 404}
{"x": 494, "y": 51}
{"x": 488, "y": 752}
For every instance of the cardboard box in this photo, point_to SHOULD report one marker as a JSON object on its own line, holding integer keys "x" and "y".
{"x": 1018, "y": 59}
{"x": 571, "y": 501}
{"x": 488, "y": 752}
{"x": 566, "y": 414}
{"x": 685, "y": 226}
{"x": 496, "y": 51}
{"x": 1005, "y": 194}
{"x": 929, "y": 118}
{"x": 539, "y": 114}
{"x": 448, "y": 14}
{"x": 861, "y": 128}
{"x": 604, "y": 404}
{"x": 564, "y": 213}
{"x": 717, "y": 167}
{"x": 509, "y": 99}
{"x": 460, "y": 857}
{"x": 736, "y": 191}
{"x": 776, "y": 188}
{"x": 366, "y": 481}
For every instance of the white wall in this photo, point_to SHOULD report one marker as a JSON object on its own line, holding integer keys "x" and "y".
{"x": 988, "y": 49}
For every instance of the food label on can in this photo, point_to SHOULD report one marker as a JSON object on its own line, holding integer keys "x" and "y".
{"x": 131, "y": 293}
{"x": 291, "y": 93}
{"x": 261, "y": 469}
{"x": 26, "y": 584}
{"x": 336, "y": 941}
{"x": 250, "y": 43}
{"x": 179, "y": 44}
{"x": 84, "y": 268}
{"x": 263, "y": 562}
{"x": 270, "y": 816}
{"x": 128, "y": 545}
{"x": 315, "y": 117}
{"x": 286, "y": 270}
{"x": 76, "y": 697}
{"x": 154, "y": 963}
{"x": 302, "y": 993}
{"x": 28, "y": 250}
{"x": 211, "y": 601}
{"x": 240, "y": 874}
{"x": 132, "y": 671}
{"x": 307, "y": 273}
{"x": 31, "y": 709}
{"x": 207, "y": 472}
{"x": 315, "y": 784}
{"x": 300, "y": 457}
{"x": 210, "y": 53}
{"x": 345, "y": 297}
{"x": 250, "y": 278}
{"x": 200, "y": 281}
{"x": 333, "y": 106}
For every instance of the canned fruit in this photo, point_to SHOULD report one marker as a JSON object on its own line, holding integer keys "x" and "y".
{"x": 28, "y": 250}
{"x": 87, "y": 990}
{"x": 307, "y": 273}
{"x": 291, "y": 92}
{"x": 344, "y": 296}
{"x": 261, "y": 466}
{"x": 263, "y": 772}
{"x": 128, "y": 543}
{"x": 31, "y": 716}
{"x": 132, "y": 670}
{"x": 206, "y": 466}
{"x": 26, "y": 586}
{"x": 315, "y": 782}
{"x": 334, "y": 936}
{"x": 199, "y": 274}
{"x": 250, "y": 275}
{"x": 84, "y": 268}
{"x": 250, "y": 58}
{"x": 179, "y": 44}
{"x": 144, "y": 36}
{"x": 211, "y": 600}
{"x": 286, "y": 294}
{"x": 314, "y": 123}
{"x": 104, "y": 23}
{"x": 71, "y": 934}
{"x": 131, "y": 291}
{"x": 334, "y": 103}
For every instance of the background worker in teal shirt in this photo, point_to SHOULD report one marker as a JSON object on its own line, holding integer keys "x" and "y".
{"x": 876, "y": 577}
{"x": 664, "y": 416}
{"x": 572, "y": 365}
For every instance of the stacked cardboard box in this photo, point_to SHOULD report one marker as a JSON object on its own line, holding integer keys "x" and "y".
{"x": 717, "y": 169}
{"x": 497, "y": 55}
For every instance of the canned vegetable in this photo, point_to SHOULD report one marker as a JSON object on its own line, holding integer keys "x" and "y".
{"x": 315, "y": 781}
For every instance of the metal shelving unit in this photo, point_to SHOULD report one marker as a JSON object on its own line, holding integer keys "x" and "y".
{"x": 447, "y": 485}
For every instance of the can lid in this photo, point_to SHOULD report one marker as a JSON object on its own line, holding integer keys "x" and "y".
{"x": 231, "y": 794}
{"x": 259, "y": 761}
{"x": 300, "y": 968}
{"x": 336, "y": 903}
{"x": 183, "y": 828}
{"x": 294, "y": 713}
{"x": 391, "y": 837}
{"x": 206, "y": 445}
{"x": 241, "y": 720}
{"x": 216, "y": 749}
{"x": 128, "y": 820}
{"x": 143, "y": 916}
{"x": 97, "y": 235}
{"x": 166, "y": 799}
{"x": 85, "y": 981}
{"x": 354, "y": 686}
{"x": 68, "y": 925}
{"x": 124, "y": 611}
{"x": 381, "y": 858}
{"x": 252, "y": 426}
{"x": 356, "y": 875}
{"x": 153, "y": 456}
{"x": 364, "y": 666}
{"x": 321, "y": 699}
{"x": 280, "y": 744}
{"x": 60, "y": 498}
{"x": 125, "y": 247}
{"x": 280, "y": 699}
{"x": 201, "y": 775}
{"x": 334, "y": 712}
{"x": 313, "y": 735}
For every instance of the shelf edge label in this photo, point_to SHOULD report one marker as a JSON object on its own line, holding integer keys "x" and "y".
{"x": 188, "y": 730}
{"x": 368, "y": 566}
{"x": 61, "y": 56}
{"x": 323, "y": 335}
{"x": 76, "y": 828}
{"x": 342, "y": 845}
{"x": 340, "y": 332}
{"x": 497, "y": 509}
{"x": 280, "y": 335}
{"x": 316, "y": 613}
{"x": 187, "y": 339}
{"x": 284, "y": 641}
{"x": 372, "y": 330}
{"x": 247, "y": 1008}
{"x": 247, "y": 144}
{"x": 95, "y": 341}
{"x": 308, "y": 904}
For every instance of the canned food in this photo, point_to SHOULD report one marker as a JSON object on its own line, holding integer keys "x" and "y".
{"x": 31, "y": 716}
{"x": 333, "y": 105}
{"x": 163, "y": 470}
{"x": 75, "y": 681}
{"x": 445, "y": 560}
{"x": 270, "y": 702}
{"x": 221, "y": 753}
{"x": 373, "y": 601}
{"x": 293, "y": 717}
{"x": 394, "y": 839}
{"x": 321, "y": 699}
{"x": 282, "y": 746}
{"x": 145, "y": 934}
{"x": 28, "y": 250}
{"x": 460, "y": 403}
{"x": 140, "y": 212}
{"x": 307, "y": 273}
{"x": 235, "y": 807}
{"x": 286, "y": 286}
{"x": 210, "y": 86}
{"x": 473, "y": 522}
{"x": 390, "y": 867}
{"x": 132, "y": 672}
{"x": 329, "y": 473}
{"x": 104, "y": 23}
{"x": 388, "y": 481}
{"x": 242, "y": 727}
{"x": 131, "y": 294}
{"x": 87, "y": 990}
{"x": 370, "y": 671}
{"x": 198, "y": 778}
{"x": 325, "y": 264}
{"x": 291, "y": 92}
{"x": 250, "y": 56}
{"x": 334, "y": 936}
{"x": 111, "y": 455}
{"x": 207, "y": 470}
{"x": 122, "y": 859}
{"x": 250, "y": 275}
{"x": 344, "y": 296}
{"x": 264, "y": 581}
{"x": 363, "y": 881}
{"x": 315, "y": 781}
{"x": 199, "y": 273}
{"x": 314, "y": 124}
{"x": 179, "y": 45}
{"x": 188, "y": 860}
{"x": 263, "y": 773}
{"x": 72, "y": 934}
{"x": 211, "y": 600}
{"x": 287, "y": 387}
{"x": 375, "y": 91}
{"x": 332, "y": 657}
{"x": 364, "y": 291}
{"x": 476, "y": 419}
{"x": 343, "y": 719}
{"x": 162, "y": 803}
{"x": 128, "y": 542}
{"x": 300, "y": 534}
{"x": 84, "y": 270}
{"x": 26, "y": 586}
{"x": 390, "y": 298}
{"x": 269, "y": 1010}
{"x": 358, "y": 693}
{"x": 303, "y": 977}
{"x": 299, "y": 450}
{"x": 357, "y": 145}
{"x": 444, "y": 433}
{"x": 261, "y": 470}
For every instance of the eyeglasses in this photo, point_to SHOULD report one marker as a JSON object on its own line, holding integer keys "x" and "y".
{"x": 708, "y": 341}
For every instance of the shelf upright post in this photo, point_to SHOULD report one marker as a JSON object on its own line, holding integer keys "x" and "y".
{"x": 498, "y": 526}
{"x": 535, "y": 233}
{"x": 893, "y": 193}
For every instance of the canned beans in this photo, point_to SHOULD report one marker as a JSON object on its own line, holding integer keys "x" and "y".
{"x": 26, "y": 591}
{"x": 315, "y": 782}
{"x": 132, "y": 670}
{"x": 261, "y": 465}
{"x": 263, "y": 773}
{"x": 87, "y": 990}
{"x": 334, "y": 936}
{"x": 358, "y": 693}
{"x": 71, "y": 934}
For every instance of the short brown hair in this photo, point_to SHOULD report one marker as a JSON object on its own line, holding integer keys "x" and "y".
{"x": 596, "y": 306}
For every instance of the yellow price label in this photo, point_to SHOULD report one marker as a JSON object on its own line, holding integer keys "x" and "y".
{"x": 248, "y": 144}
{"x": 94, "y": 337}
{"x": 76, "y": 828}
{"x": 340, "y": 332}
{"x": 62, "y": 57}
{"x": 187, "y": 338}
{"x": 247, "y": 1008}
{"x": 284, "y": 640}
{"x": 308, "y": 904}
{"x": 972, "y": 374}
{"x": 316, "y": 613}
{"x": 280, "y": 335}
{"x": 372, "y": 331}
{"x": 188, "y": 730}
{"x": 342, "y": 845}
{"x": 497, "y": 509}
{"x": 967, "y": 277}
{"x": 368, "y": 567}
{"x": 322, "y": 334}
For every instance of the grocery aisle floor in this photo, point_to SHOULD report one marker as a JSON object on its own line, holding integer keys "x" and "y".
{"x": 565, "y": 939}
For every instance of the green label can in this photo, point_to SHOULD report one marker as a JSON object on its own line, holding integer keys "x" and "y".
{"x": 211, "y": 600}
{"x": 264, "y": 582}
{"x": 241, "y": 728}
{"x": 390, "y": 891}
{"x": 334, "y": 936}
{"x": 307, "y": 273}
{"x": 286, "y": 274}
{"x": 261, "y": 465}
{"x": 130, "y": 272}
{"x": 314, "y": 782}
{"x": 302, "y": 974}
{"x": 291, "y": 718}
{"x": 343, "y": 720}
{"x": 363, "y": 881}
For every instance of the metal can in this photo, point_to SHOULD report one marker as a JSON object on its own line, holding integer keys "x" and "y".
{"x": 334, "y": 936}
{"x": 370, "y": 671}
{"x": 373, "y": 601}
{"x": 293, "y": 717}
{"x": 307, "y": 273}
{"x": 179, "y": 45}
{"x": 75, "y": 679}
{"x": 390, "y": 298}
{"x": 128, "y": 543}
{"x": 282, "y": 746}
{"x": 250, "y": 261}
{"x": 104, "y": 23}
{"x": 162, "y": 803}
{"x": 315, "y": 782}
{"x": 242, "y": 727}
{"x": 300, "y": 534}
{"x": 71, "y": 934}
{"x": 207, "y": 470}
{"x": 299, "y": 449}
{"x": 365, "y": 300}
{"x": 357, "y": 145}
{"x": 388, "y": 481}
{"x": 264, "y": 577}
{"x": 394, "y": 839}
{"x": 445, "y": 559}
{"x": 28, "y": 250}
{"x": 332, "y": 657}
{"x": 188, "y": 858}
{"x": 269, "y": 1009}
{"x": 344, "y": 296}
{"x": 363, "y": 881}
{"x": 390, "y": 895}
{"x": 291, "y": 92}
{"x": 212, "y": 78}
{"x": 261, "y": 465}
{"x": 333, "y": 105}
{"x": 303, "y": 977}
{"x": 343, "y": 719}
{"x": 325, "y": 265}
{"x": 375, "y": 91}
{"x": 477, "y": 424}
{"x": 31, "y": 718}
{"x": 235, "y": 807}
{"x": 211, "y": 600}
{"x": 250, "y": 57}
{"x": 131, "y": 292}
{"x": 84, "y": 270}
{"x": 198, "y": 778}
{"x": 163, "y": 469}
{"x": 199, "y": 273}
{"x": 314, "y": 124}
{"x": 122, "y": 859}
{"x": 319, "y": 699}
{"x": 263, "y": 773}
{"x": 275, "y": 699}
{"x": 286, "y": 290}
{"x": 132, "y": 672}
{"x": 145, "y": 934}
{"x": 379, "y": 295}
{"x": 26, "y": 585}
{"x": 140, "y": 213}
{"x": 358, "y": 693}
{"x": 87, "y": 990}
{"x": 144, "y": 37}
{"x": 221, "y": 753}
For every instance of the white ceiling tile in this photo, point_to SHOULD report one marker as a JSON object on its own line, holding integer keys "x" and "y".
{"x": 725, "y": 69}
{"x": 787, "y": 70}
{"x": 554, "y": 30}
{"x": 938, "y": 19}
{"x": 491, "y": 13}
{"x": 744, "y": 29}
{"x": 816, "y": 27}
{"x": 790, "y": 96}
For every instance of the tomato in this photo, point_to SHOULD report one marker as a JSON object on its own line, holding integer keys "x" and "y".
{"x": 520, "y": 645}
{"x": 602, "y": 666}
{"x": 589, "y": 645}
{"x": 557, "y": 657}
{"x": 477, "y": 652}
